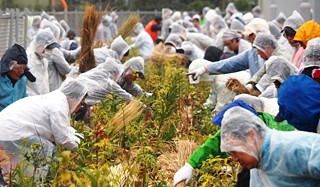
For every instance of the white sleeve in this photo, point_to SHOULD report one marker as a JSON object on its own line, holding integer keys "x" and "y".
{"x": 59, "y": 62}
{"x": 63, "y": 133}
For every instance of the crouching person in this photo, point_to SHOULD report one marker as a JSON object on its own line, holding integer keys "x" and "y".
{"x": 275, "y": 158}
{"x": 35, "y": 124}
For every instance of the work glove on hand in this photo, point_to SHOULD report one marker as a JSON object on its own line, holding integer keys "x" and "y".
{"x": 148, "y": 94}
{"x": 198, "y": 72}
{"x": 184, "y": 173}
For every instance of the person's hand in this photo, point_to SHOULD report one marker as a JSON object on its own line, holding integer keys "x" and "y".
{"x": 198, "y": 72}
{"x": 183, "y": 174}
{"x": 148, "y": 94}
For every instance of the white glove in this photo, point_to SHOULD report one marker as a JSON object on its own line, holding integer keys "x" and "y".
{"x": 249, "y": 87}
{"x": 184, "y": 173}
{"x": 148, "y": 94}
{"x": 198, "y": 72}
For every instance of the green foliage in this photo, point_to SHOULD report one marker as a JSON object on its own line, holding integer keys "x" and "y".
{"x": 130, "y": 158}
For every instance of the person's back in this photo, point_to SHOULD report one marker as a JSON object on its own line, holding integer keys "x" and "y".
{"x": 286, "y": 160}
{"x": 30, "y": 116}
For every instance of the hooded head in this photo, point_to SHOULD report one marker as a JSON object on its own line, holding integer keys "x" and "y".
{"x": 242, "y": 136}
{"x": 75, "y": 92}
{"x": 120, "y": 47}
{"x": 135, "y": 65}
{"x": 14, "y": 63}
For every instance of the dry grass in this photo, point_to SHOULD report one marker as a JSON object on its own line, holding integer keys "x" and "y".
{"x": 236, "y": 86}
{"x": 161, "y": 54}
{"x": 91, "y": 21}
{"x": 127, "y": 27}
{"x": 4, "y": 158}
{"x": 171, "y": 162}
{"x": 126, "y": 115}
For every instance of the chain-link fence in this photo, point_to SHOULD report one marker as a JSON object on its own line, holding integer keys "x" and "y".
{"x": 14, "y": 23}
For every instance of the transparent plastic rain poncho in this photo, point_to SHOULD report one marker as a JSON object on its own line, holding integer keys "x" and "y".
{"x": 274, "y": 29}
{"x": 166, "y": 13}
{"x": 65, "y": 25}
{"x": 191, "y": 51}
{"x": 143, "y": 41}
{"x": 199, "y": 39}
{"x": 38, "y": 64}
{"x": 263, "y": 104}
{"x": 230, "y": 34}
{"x": 134, "y": 64}
{"x": 102, "y": 53}
{"x": 311, "y": 56}
{"x": 74, "y": 90}
{"x": 61, "y": 29}
{"x": 102, "y": 80}
{"x": 294, "y": 21}
{"x": 176, "y": 16}
{"x": 280, "y": 19}
{"x": 177, "y": 28}
{"x": 120, "y": 46}
{"x": 264, "y": 40}
{"x": 278, "y": 68}
{"x": 58, "y": 68}
{"x": 242, "y": 131}
{"x": 54, "y": 28}
{"x": 220, "y": 95}
{"x": 247, "y": 18}
{"x": 237, "y": 25}
{"x": 256, "y": 26}
{"x": 174, "y": 39}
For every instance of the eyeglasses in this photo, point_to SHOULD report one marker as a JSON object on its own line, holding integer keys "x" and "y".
{"x": 19, "y": 67}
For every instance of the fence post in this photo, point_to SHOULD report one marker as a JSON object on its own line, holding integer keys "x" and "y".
{"x": 11, "y": 27}
{"x": 25, "y": 15}
{"x": 17, "y": 17}
{"x": 66, "y": 15}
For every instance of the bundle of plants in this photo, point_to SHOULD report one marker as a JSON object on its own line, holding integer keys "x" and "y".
{"x": 161, "y": 54}
{"x": 171, "y": 161}
{"x": 125, "y": 115}
{"x": 236, "y": 86}
{"x": 127, "y": 27}
{"x": 91, "y": 21}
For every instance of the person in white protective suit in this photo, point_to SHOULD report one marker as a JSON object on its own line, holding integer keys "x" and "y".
{"x": 38, "y": 62}
{"x": 232, "y": 40}
{"x": 113, "y": 77}
{"x": 143, "y": 41}
{"x": 267, "y": 46}
{"x": 276, "y": 158}
{"x": 43, "y": 119}
{"x": 219, "y": 96}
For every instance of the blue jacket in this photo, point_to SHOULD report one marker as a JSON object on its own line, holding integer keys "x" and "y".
{"x": 10, "y": 94}
{"x": 248, "y": 59}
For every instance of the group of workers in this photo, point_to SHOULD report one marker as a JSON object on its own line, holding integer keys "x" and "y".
{"x": 278, "y": 62}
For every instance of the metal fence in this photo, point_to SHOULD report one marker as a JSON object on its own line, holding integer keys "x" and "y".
{"x": 14, "y": 23}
